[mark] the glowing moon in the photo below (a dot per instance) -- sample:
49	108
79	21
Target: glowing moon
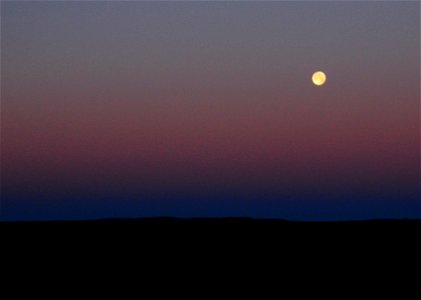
319	78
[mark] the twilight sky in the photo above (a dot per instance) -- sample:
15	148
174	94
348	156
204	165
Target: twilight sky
133	109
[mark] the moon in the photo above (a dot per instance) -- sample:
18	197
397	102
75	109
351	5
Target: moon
319	78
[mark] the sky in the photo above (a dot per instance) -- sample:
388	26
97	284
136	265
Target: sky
207	109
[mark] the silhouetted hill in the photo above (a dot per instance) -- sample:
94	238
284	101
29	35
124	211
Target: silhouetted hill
208	221
222	234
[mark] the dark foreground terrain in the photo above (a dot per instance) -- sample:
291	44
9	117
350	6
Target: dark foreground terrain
236	252
210	221
236	236
172	221
169	225
175	232
230	229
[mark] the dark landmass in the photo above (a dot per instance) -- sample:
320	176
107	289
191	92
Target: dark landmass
229	222
220	234
173	230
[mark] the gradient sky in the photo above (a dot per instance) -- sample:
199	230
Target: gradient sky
190	109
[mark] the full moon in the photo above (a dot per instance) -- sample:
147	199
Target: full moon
319	78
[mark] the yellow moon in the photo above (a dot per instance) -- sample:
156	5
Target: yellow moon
319	78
